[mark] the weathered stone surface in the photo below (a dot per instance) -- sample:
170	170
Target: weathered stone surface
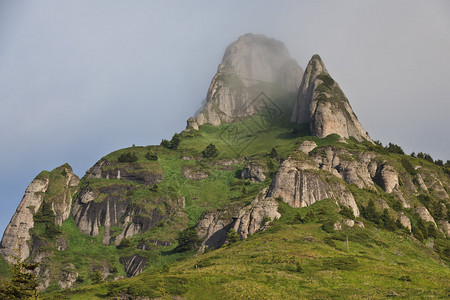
322	104
251	61
133	264
192	123
194	174
133	172
212	227
404	220
250	218
253	172
337	226
425	215
360	224
22	220
386	177
445	225
421	183
307	146
340	162
348	222
299	185
68	276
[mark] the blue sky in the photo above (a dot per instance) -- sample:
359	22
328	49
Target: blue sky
80	79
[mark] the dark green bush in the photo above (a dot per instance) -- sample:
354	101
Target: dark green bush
187	240
408	166
210	151
151	156
393	148
127	157
233	236
347	212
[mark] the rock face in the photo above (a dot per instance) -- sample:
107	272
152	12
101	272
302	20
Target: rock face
213	227
425	215
405	221
386	177
299	184
252	65
252	217
307	146
253	172
322	104
22	221
134	264
55	189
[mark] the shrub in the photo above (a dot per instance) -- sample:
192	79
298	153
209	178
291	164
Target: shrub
370	212
439	162
187	240
154	188
124	243
347	212
408	166
264	220
165	143
393	148
310	217
97	277
428	157
151	155
387	221
175	141
210	151
273	153
233	236
127	157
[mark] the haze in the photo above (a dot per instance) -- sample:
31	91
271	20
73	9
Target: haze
79	79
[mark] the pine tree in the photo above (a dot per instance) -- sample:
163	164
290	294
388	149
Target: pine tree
233	236
23	283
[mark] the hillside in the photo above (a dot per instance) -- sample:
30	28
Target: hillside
289	198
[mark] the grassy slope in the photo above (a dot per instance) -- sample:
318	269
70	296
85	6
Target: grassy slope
295	261
265	263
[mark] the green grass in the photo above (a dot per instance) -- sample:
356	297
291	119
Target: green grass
265	265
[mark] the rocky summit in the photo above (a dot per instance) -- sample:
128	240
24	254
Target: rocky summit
322	104
274	191
252	65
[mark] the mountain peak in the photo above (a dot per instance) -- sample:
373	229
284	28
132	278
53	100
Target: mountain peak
323	105
252	64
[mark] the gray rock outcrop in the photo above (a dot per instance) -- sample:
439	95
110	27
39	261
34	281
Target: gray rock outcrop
307	146
425	215
133	264
18	228
252	65
299	184
404	220
251	218
253	172
386	177
54	190
322	104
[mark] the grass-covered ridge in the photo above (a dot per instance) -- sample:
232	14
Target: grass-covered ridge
293	261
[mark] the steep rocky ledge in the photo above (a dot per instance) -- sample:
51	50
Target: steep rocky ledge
251	66
322	104
54	189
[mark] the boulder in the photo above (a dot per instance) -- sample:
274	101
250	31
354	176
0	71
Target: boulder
253	172
425	215
404	220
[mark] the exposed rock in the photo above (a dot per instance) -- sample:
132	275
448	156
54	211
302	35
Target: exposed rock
386	177
342	164
22	220
194	174
212	227
348	222
445	225
299	185
322	104
425	215
191	123
250	218
307	146
398	193
337	226
252	65
360	224
134	264
253	172
134	172
382	204
61	243
404	220
421	183
68	276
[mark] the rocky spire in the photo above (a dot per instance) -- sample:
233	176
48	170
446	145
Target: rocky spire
251	65
323	105
54	188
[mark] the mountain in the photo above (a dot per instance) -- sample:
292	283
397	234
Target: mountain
322	104
274	191
252	65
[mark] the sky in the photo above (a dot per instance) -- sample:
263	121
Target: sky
80	78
